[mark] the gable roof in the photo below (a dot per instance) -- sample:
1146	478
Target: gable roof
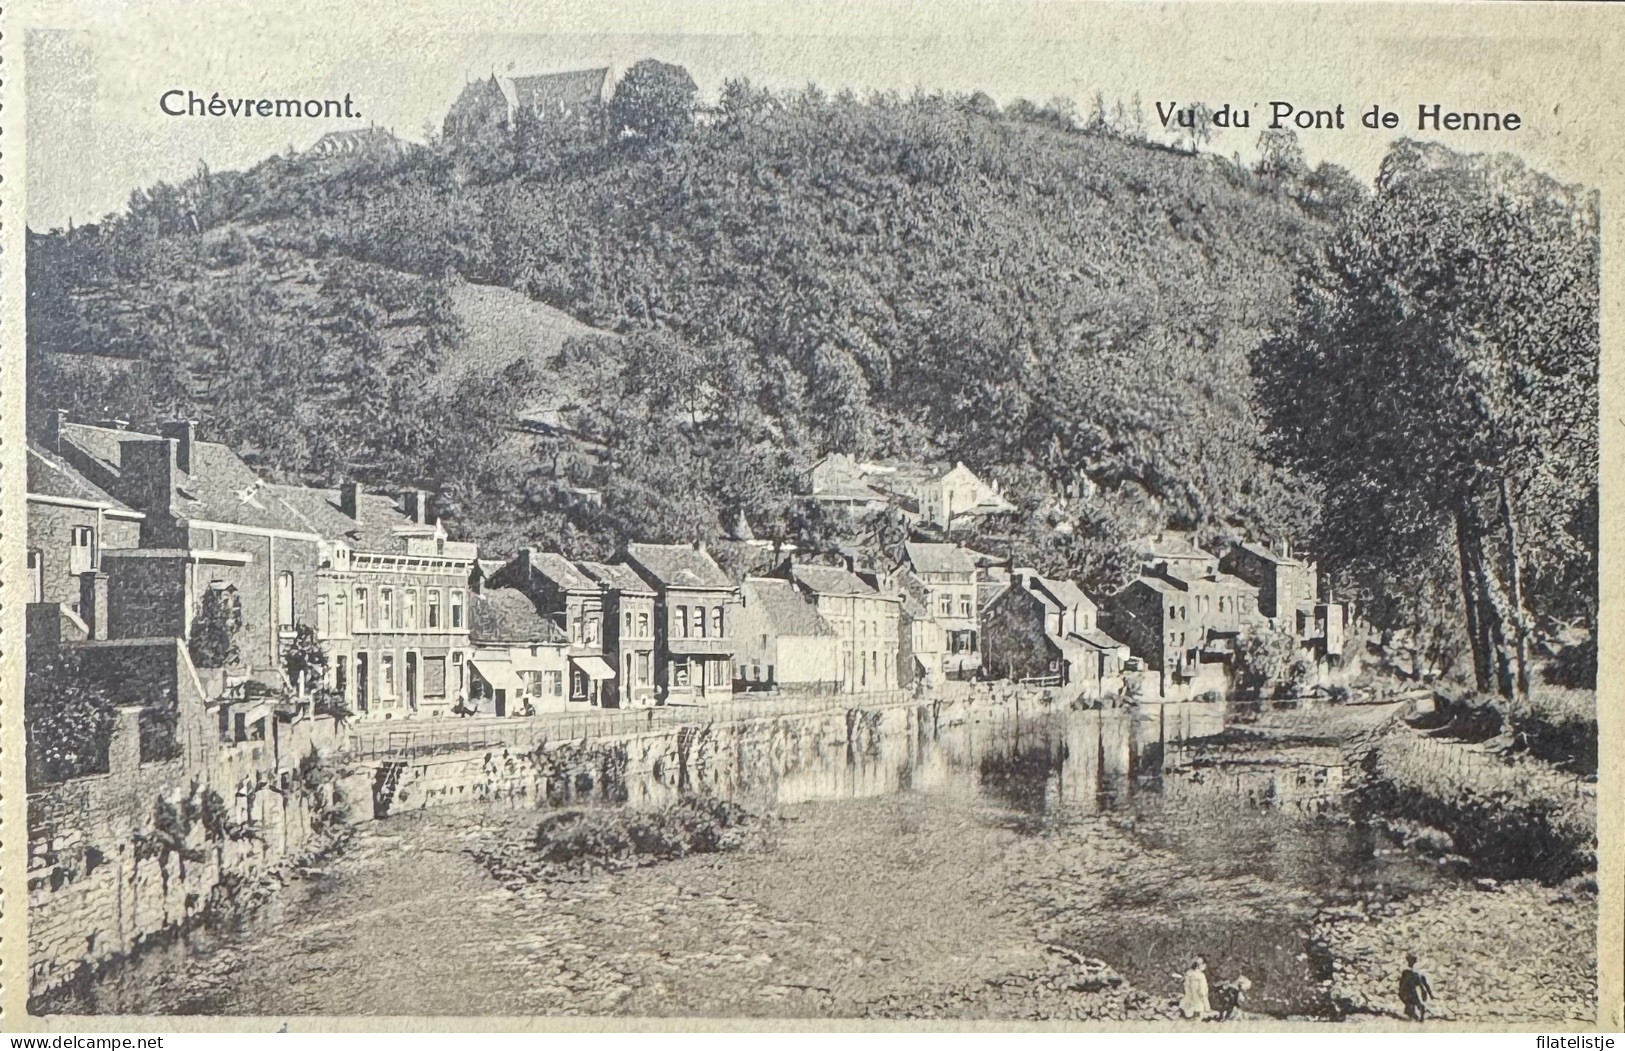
786	610
679	565
50	475
505	617
1176	544
831	580
1270	556
939	558
560	571
617	577
560	91
1066	592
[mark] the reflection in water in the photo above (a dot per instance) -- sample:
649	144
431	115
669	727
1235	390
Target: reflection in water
1174	850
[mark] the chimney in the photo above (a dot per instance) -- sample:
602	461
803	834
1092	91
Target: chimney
524	560
53	429
93	603
415	502
699	545
476	578
350	499
147	469
850	563
184	432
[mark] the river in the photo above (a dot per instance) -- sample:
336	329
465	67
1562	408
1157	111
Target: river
961	867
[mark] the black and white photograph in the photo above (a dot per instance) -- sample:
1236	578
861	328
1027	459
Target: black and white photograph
1080	514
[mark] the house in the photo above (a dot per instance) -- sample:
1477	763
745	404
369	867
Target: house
629	634
573	600
355	142
572	101
519	662
837	482
210	523
1046	631
71	521
392	592
695	607
947	576
865	620
784	643
956	498
1285	584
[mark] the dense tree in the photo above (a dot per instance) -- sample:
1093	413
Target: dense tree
654	100
1440	384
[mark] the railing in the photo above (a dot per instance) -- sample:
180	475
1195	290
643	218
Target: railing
426	737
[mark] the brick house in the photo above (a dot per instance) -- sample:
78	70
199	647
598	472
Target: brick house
629	634
948	589
865	620
574	601
1043	630
784	643
696	604
391	604
71	522
519	664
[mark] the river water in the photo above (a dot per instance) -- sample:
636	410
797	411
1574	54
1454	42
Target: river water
921	862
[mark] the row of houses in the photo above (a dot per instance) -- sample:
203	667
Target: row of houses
142	540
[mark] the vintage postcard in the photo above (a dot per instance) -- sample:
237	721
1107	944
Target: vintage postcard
810	515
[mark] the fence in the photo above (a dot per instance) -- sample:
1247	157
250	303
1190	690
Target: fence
1488	772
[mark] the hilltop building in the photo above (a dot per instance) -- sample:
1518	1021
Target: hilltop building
571	101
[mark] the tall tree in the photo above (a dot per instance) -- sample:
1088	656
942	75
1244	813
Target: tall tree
654	100
1440	383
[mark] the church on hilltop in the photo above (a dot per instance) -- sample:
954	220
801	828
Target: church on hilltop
572	100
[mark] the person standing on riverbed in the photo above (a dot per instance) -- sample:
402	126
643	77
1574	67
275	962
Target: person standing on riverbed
1194	1003
1414	990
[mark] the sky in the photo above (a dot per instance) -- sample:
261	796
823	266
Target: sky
95	69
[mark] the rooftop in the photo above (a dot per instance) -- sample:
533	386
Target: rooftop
831	580
50	475
939	558
616	577
784	607
505	617
679	565
561	571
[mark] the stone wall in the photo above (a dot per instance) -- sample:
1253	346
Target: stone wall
142	851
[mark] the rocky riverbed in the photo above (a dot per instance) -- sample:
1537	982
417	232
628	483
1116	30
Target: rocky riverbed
1003	873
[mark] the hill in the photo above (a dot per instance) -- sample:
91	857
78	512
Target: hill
1071	312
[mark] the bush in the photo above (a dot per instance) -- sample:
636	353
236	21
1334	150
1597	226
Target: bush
615	838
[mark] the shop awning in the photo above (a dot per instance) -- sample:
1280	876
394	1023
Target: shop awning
594	667
499	673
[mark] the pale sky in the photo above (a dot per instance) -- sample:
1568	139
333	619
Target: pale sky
95	69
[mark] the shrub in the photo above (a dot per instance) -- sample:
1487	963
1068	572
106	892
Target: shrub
612	838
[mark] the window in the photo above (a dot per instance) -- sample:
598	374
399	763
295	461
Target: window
645	669
412	679
643	625
341	676
341	614
82	550
360	609
536	683
590	630
386	608
964	605
716	622
719	673
699	621
431	608
575	628
362	681
756	670
434	676
386	676
36	576
409	607
457	666
679	673
284	599
456	608
947	605
1173	612
578	685
628	628
555	683
323	627
682	622
863	628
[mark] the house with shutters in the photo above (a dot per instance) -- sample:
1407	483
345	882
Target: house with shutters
696	606
520	663
629	634
574	601
947	587
784	643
